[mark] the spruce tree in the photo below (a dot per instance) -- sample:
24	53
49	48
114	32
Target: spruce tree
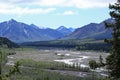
113	60
101	63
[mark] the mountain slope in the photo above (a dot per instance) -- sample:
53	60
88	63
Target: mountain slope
21	32
65	31
49	33
92	30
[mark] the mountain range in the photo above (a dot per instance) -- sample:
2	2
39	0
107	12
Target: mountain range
21	32
92	30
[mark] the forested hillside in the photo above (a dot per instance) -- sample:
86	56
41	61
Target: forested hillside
83	44
6	42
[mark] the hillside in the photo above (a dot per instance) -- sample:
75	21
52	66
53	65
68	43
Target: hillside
81	44
10	44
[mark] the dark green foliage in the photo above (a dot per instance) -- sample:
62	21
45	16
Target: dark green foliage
38	74
52	65
93	64
85	44
3	59
94	46
101	63
113	60
8	43
32	70
105	79
14	69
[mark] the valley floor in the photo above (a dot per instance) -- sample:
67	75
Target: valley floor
65	56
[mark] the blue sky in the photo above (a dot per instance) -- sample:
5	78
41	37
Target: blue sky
55	13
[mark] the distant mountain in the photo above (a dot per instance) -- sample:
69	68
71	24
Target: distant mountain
92	30
8	43
21	32
72	29
48	33
65	31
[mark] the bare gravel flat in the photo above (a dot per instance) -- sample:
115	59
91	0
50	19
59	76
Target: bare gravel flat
51	55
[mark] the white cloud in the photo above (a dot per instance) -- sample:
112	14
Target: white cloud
88	3
16	6
62	3
69	13
51	2
18	1
5	6
11	9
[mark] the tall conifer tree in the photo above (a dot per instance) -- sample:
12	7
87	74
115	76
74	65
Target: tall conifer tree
113	60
